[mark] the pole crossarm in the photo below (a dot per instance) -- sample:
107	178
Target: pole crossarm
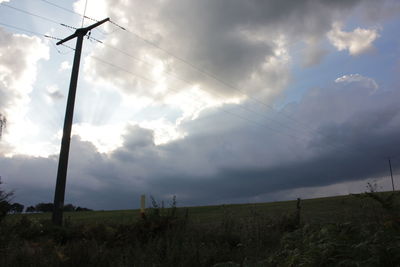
82	31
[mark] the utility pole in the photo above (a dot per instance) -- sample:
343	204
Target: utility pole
69	114
391	174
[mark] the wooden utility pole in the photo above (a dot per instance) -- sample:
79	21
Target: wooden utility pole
391	174
69	114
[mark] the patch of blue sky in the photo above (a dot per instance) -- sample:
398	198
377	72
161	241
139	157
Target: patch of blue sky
380	64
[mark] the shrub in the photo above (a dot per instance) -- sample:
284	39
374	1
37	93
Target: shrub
166	237
44	207
338	245
30	209
4	202
16	208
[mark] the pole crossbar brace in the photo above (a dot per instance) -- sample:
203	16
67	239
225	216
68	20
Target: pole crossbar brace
59	193
82	31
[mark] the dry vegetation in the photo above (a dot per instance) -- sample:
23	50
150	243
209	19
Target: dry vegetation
356	230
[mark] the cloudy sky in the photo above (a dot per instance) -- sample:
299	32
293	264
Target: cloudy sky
213	101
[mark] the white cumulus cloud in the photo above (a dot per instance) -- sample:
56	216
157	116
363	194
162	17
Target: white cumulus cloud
19	56
65	65
365	81
357	42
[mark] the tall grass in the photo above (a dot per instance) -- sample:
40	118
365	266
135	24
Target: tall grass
170	237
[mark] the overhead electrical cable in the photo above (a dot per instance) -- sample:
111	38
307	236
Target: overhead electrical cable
172	74
223	109
29	13
198	69
261	125
149	80
255	122
129	55
37	16
22	29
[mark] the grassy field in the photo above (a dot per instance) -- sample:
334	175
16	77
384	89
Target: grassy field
319	210
353	230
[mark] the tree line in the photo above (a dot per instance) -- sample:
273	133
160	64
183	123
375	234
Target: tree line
49	207
40	207
7	207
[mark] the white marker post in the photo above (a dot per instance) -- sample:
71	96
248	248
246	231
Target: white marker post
142	205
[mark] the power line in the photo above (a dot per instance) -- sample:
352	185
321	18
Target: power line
187	63
59	51
214	77
125	53
55	38
46	18
60	7
37	16
276	131
76	13
343	148
223	109
29	13
206	73
302	124
37	34
21	29
151	81
69	27
144	78
169	73
169	53
79	14
84	13
121	51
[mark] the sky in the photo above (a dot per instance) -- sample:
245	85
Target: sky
211	101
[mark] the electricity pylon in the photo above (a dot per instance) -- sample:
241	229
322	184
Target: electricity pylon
69	114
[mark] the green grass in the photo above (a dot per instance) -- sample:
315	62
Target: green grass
354	230
318	210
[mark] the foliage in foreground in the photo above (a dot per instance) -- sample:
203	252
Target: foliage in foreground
167	237
4	202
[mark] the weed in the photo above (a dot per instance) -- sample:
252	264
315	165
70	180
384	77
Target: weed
170	237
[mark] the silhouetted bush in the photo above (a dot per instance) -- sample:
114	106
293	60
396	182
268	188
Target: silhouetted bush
69	207
44	207
48	207
4	202
30	209
16	208
82	209
339	245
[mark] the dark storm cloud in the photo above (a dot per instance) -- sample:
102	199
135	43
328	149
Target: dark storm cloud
346	129
245	161
232	40
225	159
348	162
29	177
